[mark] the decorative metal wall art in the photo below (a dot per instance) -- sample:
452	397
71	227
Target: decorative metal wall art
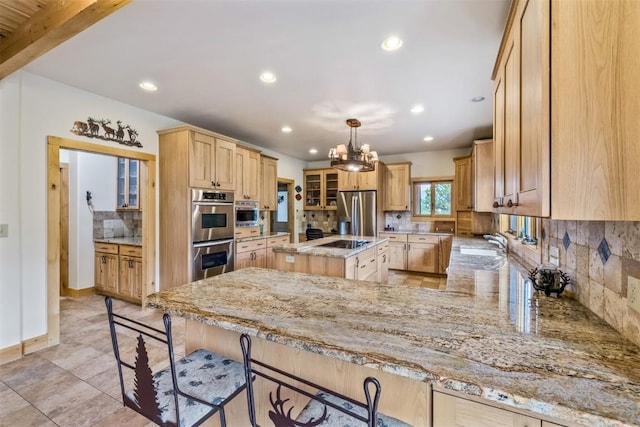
91	129
549	279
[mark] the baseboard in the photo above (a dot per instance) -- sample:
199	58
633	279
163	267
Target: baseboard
11	353
77	293
34	344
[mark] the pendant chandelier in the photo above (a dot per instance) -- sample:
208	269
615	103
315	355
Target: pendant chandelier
353	158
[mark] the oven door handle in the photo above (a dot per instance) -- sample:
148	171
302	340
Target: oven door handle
212	243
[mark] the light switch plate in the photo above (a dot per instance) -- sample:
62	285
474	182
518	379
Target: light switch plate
633	293
554	252
554	261
4	230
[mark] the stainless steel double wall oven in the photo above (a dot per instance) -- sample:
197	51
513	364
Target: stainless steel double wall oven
212	222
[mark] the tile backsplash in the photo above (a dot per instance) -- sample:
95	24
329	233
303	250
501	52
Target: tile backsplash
401	221
108	224
603	260
325	220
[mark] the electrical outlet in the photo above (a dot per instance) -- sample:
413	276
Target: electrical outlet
290	259
554	261
4	230
633	293
554	252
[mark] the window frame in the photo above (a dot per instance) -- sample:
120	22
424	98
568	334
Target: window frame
432	180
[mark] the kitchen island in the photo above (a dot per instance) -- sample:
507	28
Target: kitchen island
504	346
346	256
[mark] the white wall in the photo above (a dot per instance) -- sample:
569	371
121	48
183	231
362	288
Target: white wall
33	108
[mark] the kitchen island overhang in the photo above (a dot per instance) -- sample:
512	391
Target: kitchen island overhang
452	340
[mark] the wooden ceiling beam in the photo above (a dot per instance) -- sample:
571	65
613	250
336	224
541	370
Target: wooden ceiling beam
50	26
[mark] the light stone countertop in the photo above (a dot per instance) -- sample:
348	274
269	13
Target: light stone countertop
262	236
133	241
427	233
486	335
312	247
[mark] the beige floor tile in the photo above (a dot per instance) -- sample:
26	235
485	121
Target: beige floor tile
124	417
26	417
10	401
86	415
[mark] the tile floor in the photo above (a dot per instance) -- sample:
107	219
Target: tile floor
75	383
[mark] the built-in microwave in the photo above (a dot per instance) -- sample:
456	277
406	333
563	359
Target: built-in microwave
247	213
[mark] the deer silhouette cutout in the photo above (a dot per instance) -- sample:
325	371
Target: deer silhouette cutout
109	132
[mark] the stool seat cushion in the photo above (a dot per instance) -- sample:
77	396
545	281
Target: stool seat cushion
315	409
203	374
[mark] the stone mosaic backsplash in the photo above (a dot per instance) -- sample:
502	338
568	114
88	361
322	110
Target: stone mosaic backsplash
401	220
603	261
325	220
108	224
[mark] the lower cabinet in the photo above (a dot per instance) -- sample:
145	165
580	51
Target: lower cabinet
422	253
397	250
449	410
118	271
444	252
252	253
362	266
382	273
271	242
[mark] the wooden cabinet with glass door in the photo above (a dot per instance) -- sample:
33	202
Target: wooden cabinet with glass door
320	189
128	177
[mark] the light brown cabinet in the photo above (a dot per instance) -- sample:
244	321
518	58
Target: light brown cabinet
271	242
106	268
382	273
118	271
470	172
247	169
422	253
397	183
482	175
397	250
451	410
463	183
252	253
211	162
320	189
348	181
269	177
362	266
444	253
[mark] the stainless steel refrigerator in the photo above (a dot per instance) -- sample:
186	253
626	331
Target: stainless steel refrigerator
359	210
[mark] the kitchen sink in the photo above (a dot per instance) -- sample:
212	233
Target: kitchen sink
476	251
345	244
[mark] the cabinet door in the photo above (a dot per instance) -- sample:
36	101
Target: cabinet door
367	266
130	276
397	185
244	260
347	181
202	150
224	165
498	142
444	253
383	267
463	183
367	180
269	195
454	411
260	258
422	257
483	179
313	197
128	177
398	255
330	193
252	175
106	272
511	125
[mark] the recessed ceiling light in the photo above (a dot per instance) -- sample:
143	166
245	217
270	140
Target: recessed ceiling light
268	77
391	43
477	99
416	109
313	151
148	86
428	138
286	129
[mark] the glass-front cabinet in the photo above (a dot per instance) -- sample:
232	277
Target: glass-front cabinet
320	189
128	184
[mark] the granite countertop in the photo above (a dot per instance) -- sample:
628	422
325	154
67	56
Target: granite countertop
433	233
486	336
312	247
262	236
133	241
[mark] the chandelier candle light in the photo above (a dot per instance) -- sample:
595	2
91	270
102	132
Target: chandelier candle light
353	158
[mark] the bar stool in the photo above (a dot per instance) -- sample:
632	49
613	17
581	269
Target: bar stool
314	233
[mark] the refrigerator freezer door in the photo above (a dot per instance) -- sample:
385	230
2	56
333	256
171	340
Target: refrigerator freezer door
359	208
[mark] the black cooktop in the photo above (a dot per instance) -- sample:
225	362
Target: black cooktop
345	244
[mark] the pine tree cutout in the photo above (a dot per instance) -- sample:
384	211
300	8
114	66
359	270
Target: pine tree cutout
144	386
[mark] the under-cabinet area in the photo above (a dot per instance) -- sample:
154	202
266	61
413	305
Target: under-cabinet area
426	253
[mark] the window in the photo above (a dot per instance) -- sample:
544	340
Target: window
523	228
432	198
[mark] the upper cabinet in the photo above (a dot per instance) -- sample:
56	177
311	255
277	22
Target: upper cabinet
566	111
247	174
269	177
463	183
482	174
320	189
211	162
349	181
128	176
397	191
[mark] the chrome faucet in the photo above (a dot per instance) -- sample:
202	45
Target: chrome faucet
497	239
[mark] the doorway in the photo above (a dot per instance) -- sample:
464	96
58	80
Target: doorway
283	219
54	188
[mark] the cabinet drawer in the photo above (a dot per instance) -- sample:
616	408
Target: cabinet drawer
251	245
382	247
242	232
277	241
421	238
108	248
366	264
394	237
131	250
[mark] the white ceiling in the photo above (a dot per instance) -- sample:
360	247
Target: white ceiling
206	57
